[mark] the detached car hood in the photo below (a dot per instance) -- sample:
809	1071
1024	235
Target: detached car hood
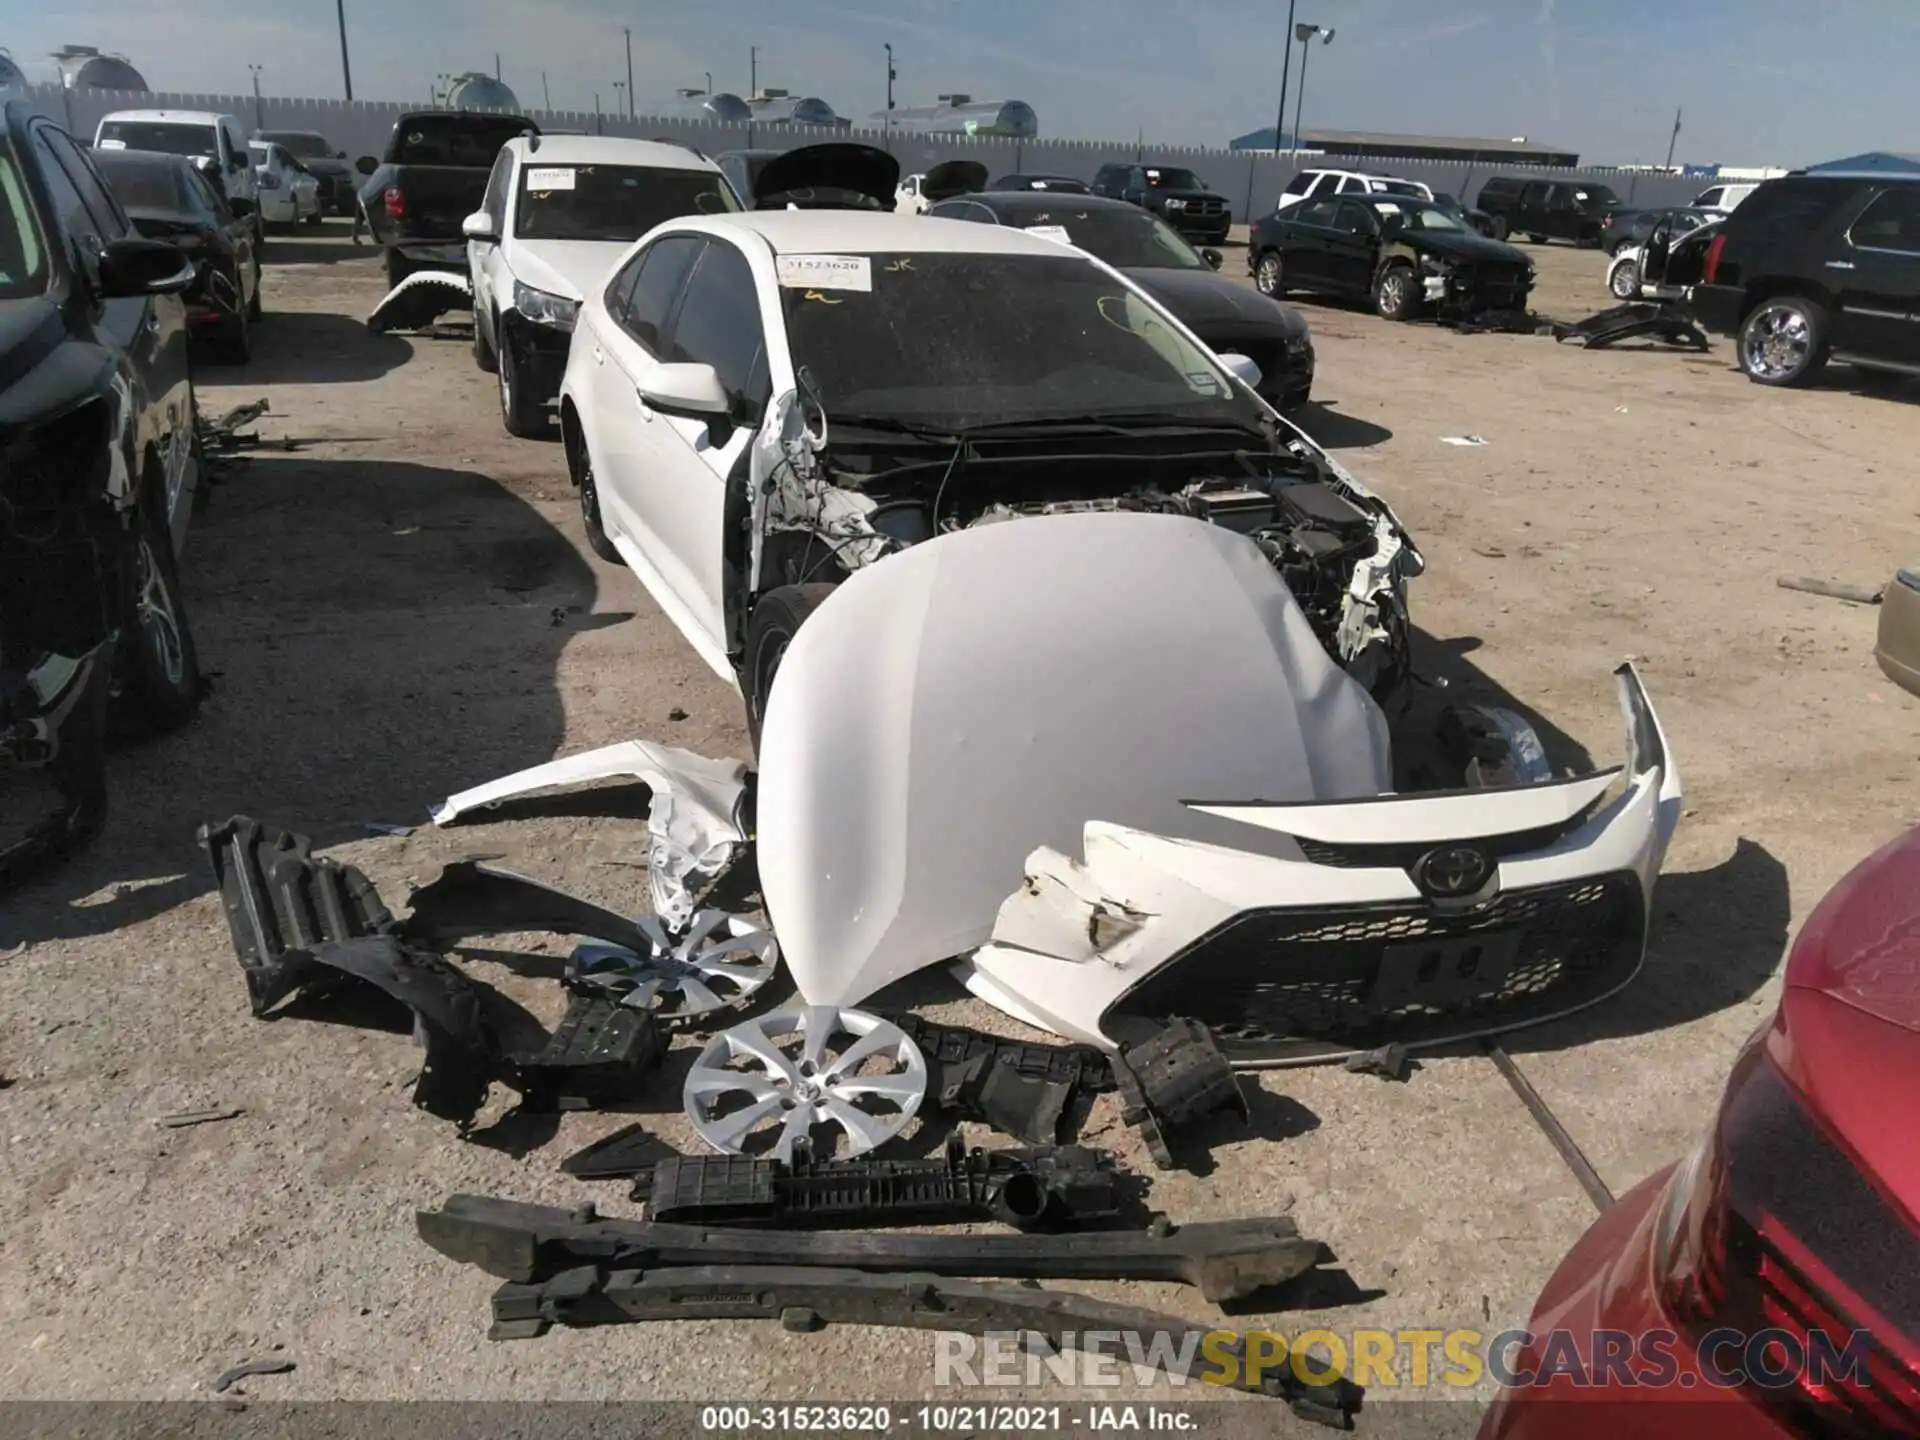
1202	297
864	170
953	706
573	269
1473	248
955	177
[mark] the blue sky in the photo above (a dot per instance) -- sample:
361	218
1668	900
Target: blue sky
1763	81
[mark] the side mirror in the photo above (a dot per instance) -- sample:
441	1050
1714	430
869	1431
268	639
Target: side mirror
1241	368
693	392
479	226
134	266
1213	258
366	164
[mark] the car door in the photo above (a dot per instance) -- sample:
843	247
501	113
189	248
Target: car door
486	262
1107	180
236	238
717	322
1530	211
147	334
1353	248
626	441
1306	240
1876	277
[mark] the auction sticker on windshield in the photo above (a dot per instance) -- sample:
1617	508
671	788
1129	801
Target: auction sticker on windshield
825	272
549	177
1051	232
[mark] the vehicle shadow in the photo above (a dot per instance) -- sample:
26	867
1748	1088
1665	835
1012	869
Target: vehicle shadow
377	633
328	244
1331	430
1445	676
1850	379
305	347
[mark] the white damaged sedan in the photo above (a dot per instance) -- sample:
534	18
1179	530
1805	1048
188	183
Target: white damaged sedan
1092	670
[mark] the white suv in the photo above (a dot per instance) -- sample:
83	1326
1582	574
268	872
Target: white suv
1319	184
201	134
1722	199
560	211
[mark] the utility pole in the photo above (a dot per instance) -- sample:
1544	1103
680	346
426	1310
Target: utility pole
1675	140
628	32
496	64
346	67
598	128
1286	67
891	76
546	95
259	123
619	99
709	90
753	71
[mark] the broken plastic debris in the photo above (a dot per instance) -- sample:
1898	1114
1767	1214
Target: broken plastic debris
277	1366
197	1117
1462	440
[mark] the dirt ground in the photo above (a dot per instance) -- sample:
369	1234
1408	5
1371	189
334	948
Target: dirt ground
407	607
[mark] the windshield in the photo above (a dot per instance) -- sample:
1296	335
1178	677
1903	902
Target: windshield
1164	179
1400	187
613	202
151	185
952	341
306	147
466	141
1121	237
167	137
1596	195
23	256
1415	215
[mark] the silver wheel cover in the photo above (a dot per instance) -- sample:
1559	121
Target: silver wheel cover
846	1069
722	960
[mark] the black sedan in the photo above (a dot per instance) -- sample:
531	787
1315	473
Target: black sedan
1054	184
1409	257
169	198
1226	316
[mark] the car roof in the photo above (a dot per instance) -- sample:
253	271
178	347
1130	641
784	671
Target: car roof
1019	200
178	117
866	232
607	150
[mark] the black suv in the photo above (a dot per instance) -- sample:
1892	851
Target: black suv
98	469
1817	267
1544	210
1177	196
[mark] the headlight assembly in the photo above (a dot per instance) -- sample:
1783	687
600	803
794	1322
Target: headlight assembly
543	308
1176	204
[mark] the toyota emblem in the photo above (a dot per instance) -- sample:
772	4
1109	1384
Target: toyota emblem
1451	871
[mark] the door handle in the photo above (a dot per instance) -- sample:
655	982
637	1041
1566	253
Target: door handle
1839	264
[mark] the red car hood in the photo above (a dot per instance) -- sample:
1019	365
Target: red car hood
1848	1035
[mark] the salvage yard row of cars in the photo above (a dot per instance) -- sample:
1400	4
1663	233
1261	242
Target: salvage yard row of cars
881	471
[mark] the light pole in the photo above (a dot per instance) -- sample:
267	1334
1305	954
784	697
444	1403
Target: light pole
259	122
709	89
1304	33
628	32
1286	63
346	68
619	98
891	77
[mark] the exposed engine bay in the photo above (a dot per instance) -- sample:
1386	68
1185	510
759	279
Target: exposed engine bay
835	508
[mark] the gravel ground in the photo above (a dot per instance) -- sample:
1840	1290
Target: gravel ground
407	607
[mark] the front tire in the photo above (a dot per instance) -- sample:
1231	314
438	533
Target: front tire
1500	228
256	307
524	418
483	355
770	630
1269	276
1783	341
597	538
233	342
1624	281
1396	294
158	665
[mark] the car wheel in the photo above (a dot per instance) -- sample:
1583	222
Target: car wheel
316	218
1396	294
158	679
1268	276
483	355
1534	239
590	508
1624	282
398	268
524	419
1784	341
1500	228
770	630
233	342
256	307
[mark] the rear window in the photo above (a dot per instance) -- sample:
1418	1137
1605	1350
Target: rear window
470	141
1797	204
1401	187
166	136
612	202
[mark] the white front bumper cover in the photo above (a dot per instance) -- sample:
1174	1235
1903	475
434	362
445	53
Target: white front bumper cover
1301	961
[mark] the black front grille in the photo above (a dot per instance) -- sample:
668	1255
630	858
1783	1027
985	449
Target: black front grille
1491	287
1285	983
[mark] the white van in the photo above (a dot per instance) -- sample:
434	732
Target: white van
1722	199
201	134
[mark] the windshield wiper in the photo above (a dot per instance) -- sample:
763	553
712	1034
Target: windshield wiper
1116	422
892	425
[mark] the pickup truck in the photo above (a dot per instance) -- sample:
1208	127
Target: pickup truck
433	175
